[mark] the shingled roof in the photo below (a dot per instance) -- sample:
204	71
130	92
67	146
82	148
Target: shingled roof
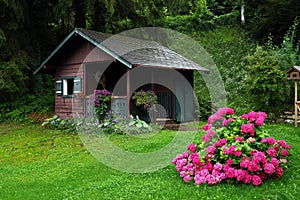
131	51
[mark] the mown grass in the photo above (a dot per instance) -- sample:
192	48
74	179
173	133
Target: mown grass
36	163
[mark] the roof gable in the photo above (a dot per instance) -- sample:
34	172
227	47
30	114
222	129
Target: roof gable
294	69
130	51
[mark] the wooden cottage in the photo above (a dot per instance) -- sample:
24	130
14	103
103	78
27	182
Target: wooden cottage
88	60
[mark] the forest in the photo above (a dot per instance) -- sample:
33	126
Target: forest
252	42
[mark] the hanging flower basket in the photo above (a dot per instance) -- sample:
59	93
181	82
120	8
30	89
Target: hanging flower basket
145	99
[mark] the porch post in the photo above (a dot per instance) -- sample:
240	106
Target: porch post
128	89
296	99
152	88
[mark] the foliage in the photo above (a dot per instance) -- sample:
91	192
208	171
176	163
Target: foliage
264	17
267	74
57	123
187	23
233	149
38	118
20	108
118	124
145	99
227	47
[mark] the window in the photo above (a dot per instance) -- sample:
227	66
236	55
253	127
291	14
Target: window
68	86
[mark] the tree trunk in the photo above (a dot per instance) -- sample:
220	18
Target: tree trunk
79	8
242	12
99	16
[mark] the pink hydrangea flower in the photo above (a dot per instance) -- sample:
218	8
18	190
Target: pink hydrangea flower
186	154
271	152
269	168
262	115
271	141
252	116
192	147
284	152
229	111
210	149
283	144
238	138
226	121
275	162
207	127
182	173
218	166
248	128
260	121
256	180
223	141
247	178
237	153
186	178
230	172
245	162
245	116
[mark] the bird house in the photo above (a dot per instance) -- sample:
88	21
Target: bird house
294	73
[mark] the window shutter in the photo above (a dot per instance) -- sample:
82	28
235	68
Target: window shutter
77	85
59	87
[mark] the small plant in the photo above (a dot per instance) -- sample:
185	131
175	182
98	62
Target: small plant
234	149
57	123
114	123
145	99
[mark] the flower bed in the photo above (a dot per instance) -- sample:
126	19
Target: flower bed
234	149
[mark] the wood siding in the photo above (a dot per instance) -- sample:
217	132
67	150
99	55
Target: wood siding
73	64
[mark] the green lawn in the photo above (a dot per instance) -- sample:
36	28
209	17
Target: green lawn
36	163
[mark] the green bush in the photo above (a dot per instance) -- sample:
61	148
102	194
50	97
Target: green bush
227	47
21	108
267	79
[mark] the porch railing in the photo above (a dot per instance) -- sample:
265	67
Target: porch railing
118	105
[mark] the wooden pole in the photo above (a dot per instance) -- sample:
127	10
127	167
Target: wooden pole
128	92
296	99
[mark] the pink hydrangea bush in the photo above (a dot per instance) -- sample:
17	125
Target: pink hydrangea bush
233	149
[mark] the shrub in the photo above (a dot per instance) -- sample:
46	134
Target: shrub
267	68
57	123
21	108
234	149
